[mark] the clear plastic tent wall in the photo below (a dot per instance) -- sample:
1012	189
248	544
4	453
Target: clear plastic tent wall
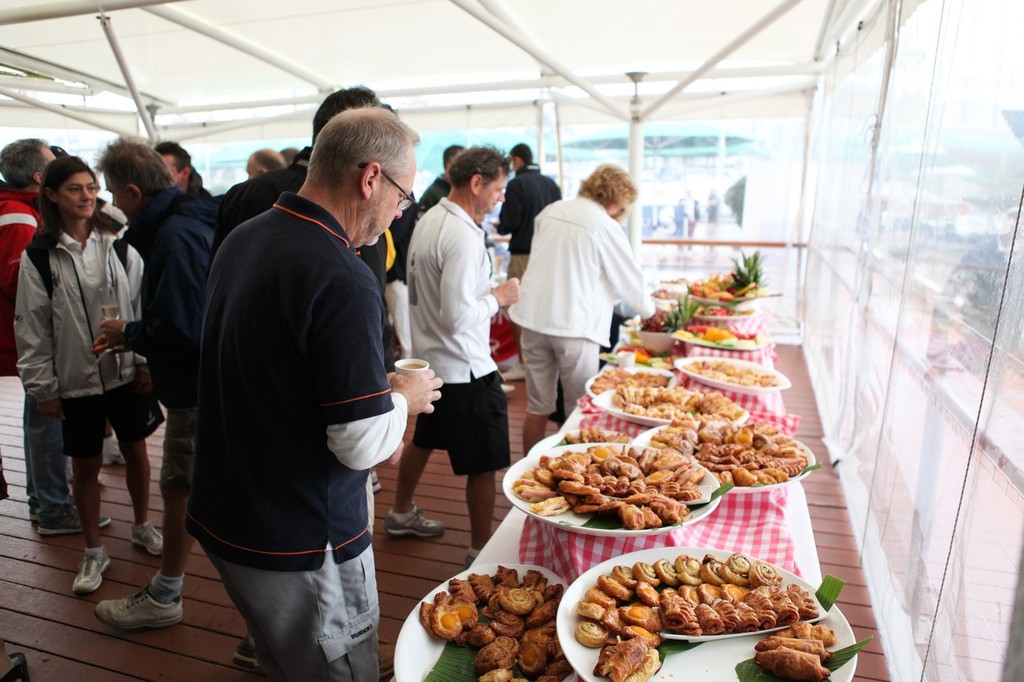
914	332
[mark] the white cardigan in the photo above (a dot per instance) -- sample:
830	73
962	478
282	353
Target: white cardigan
579	261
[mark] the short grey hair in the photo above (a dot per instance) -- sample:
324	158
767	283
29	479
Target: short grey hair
360	136
22	159
134	161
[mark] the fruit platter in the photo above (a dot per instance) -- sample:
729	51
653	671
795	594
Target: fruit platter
744	284
720	337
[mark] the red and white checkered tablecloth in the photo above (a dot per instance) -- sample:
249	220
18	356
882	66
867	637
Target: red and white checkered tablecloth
752	524
755	323
765	356
769	402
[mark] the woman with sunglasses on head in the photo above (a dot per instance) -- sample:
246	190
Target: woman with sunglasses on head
580	262
73	276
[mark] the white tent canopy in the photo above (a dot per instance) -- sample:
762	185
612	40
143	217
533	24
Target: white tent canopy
215	69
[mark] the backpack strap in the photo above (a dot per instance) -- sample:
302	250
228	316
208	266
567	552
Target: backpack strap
121	249
41	259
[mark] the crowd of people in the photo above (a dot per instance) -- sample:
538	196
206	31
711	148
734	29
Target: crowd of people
262	328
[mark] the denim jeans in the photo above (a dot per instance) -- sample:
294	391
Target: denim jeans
46	465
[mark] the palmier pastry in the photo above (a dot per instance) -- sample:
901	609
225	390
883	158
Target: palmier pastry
762	573
624	575
666	572
533	658
792	665
740	565
591	634
588	609
710	571
644	572
517	601
480	635
647	594
807	631
501	653
507	625
688	569
805	604
497	675
644	616
613	588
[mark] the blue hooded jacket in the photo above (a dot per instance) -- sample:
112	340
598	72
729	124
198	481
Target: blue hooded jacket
173	233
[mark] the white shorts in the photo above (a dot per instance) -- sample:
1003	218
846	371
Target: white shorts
547	359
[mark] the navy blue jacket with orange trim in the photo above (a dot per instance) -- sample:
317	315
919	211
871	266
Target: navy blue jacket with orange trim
289	347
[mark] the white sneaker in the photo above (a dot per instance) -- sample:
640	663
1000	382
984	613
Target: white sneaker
148	538
138	611
508	388
514	373
90	573
111	451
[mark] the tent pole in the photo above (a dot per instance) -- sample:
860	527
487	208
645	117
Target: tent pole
738	42
546	60
558	148
57	10
62	111
129	82
194	23
636	171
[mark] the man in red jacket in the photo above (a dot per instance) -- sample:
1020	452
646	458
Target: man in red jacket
22	163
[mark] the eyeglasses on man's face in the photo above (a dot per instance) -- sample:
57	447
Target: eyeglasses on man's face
406	201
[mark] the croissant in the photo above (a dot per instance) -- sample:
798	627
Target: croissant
792	665
807	631
808	646
624	660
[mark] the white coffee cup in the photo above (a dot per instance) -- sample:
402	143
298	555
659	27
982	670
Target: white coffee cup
626	359
411	366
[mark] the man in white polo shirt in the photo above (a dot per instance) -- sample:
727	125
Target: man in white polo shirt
451	302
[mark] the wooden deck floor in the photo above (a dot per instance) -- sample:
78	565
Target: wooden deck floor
63	640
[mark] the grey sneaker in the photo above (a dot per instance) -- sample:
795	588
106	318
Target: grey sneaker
138	611
90	573
245	655
148	538
112	451
418	525
67	523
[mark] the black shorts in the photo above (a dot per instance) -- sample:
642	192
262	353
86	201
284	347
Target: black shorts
134	417
470	421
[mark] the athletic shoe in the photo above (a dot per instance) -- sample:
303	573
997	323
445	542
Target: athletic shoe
111	451
148	538
138	611
90	573
375	481
514	373
508	388
67	523
418	525
245	656
33	515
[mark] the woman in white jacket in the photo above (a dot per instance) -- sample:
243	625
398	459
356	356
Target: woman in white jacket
74	278
580	262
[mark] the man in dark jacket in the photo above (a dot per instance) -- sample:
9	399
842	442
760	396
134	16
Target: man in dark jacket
173	233
250	198
440	187
526	195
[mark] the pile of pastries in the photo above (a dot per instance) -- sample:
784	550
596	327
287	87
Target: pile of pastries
624	612
645	488
674	403
731	373
756	453
510	621
613	377
595	435
797	653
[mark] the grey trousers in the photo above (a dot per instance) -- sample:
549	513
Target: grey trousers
310	625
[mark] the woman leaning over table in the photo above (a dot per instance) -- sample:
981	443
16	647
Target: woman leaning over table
54	332
579	261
